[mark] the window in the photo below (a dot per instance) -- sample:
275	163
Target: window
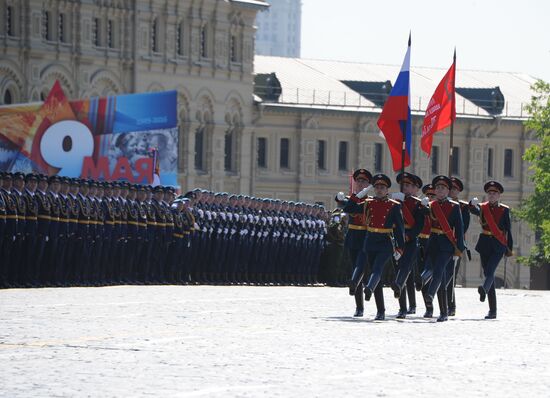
199	149
233	48
203	41
378	160
8	98
154	36
343	156
262	152
508	162
9	21
46	25
228	151
455	161
435	160
110	39
490	162
95	32
61	28
179	39
321	155
283	159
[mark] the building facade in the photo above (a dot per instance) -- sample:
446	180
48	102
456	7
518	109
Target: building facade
298	143
279	29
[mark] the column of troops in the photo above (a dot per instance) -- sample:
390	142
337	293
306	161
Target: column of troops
58	231
421	239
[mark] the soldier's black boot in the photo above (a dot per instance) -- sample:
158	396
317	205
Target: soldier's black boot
482	293
442	299
396	290
429	312
402	314
411	310
380	316
491	315
358	312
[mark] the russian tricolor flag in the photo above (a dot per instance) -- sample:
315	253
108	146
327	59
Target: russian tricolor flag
395	119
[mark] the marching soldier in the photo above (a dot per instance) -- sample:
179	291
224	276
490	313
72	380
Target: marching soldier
446	242
385	237
452	270
414	210
423	238
18	258
42	270
354	239
495	240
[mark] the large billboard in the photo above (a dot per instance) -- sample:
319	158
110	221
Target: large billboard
108	138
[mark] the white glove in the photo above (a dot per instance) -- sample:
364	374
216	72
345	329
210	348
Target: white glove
47	238
196	226
400	196
455	258
340	197
219	231
204	229
265	233
364	192
285	235
233	231
425	201
474	201
253	233
225	230
397	256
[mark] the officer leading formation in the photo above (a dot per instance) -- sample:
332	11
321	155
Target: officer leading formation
421	240
58	231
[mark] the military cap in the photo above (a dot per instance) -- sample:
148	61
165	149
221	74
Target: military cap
107	184
18	176
457	184
442	180
54	178
6	175
190	194
494	186
428	189
74	182
84	183
31	177
64	180
42	177
419	181
158	188
381	179
406	178
364	173
148	188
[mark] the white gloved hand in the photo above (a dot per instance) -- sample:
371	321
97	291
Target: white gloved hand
364	192
400	196
474	201
397	256
340	197
455	258
425	201
196	226
47	238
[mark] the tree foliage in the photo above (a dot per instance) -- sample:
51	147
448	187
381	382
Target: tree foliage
535	210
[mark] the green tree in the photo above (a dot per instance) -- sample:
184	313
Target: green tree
535	210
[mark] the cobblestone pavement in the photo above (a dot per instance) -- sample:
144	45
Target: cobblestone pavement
193	341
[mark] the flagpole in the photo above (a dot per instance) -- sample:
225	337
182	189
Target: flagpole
404	132
451	140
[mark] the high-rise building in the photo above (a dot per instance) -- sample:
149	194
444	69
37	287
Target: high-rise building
279	29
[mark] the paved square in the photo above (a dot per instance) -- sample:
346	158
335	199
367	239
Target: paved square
264	341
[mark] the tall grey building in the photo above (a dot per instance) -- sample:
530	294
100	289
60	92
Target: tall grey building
279	29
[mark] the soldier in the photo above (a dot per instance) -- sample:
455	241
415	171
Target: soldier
385	237
159	253
9	228
43	229
495	240
452	270
446	242
353	241
423	238
414	211
18	257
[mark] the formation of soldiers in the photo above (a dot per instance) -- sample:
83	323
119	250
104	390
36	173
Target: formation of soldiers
421	239
59	231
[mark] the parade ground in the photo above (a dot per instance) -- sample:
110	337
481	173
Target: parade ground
220	341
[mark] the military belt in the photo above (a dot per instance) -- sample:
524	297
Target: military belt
424	236
11	217
45	218
438	231
31	218
358	227
380	230
484	232
178	235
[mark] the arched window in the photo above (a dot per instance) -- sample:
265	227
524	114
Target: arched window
61	28
110	34
96	32
233	49
199	148
204	41
9	21
154	36
228	149
46	25
8	98
179	39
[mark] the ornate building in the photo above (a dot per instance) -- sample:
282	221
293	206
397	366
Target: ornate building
279	127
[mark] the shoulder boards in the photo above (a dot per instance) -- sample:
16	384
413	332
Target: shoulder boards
395	202
453	202
503	205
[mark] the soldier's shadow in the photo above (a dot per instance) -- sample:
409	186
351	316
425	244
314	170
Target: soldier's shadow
371	320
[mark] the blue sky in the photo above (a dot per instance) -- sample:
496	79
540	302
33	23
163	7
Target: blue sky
503	35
